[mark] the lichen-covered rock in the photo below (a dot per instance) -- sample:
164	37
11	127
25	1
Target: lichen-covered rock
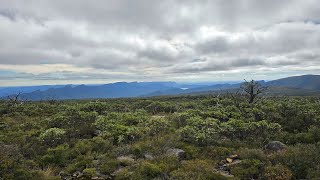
125	160
179	153
148	156
275	146
77	174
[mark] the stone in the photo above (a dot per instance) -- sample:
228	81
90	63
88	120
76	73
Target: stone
234	162
229	160
117	171
148	156
125	160
179	153
235	156
275	146
77	174
98	178
97	133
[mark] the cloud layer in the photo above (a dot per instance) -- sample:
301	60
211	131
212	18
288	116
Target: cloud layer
80	41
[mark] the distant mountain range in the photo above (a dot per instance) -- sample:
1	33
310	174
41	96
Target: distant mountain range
291	86
306	85
5	91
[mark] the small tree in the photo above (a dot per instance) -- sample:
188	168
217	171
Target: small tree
252	89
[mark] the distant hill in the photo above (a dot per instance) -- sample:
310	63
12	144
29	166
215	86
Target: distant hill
271	91
176	91
113	90
291	91
291	86
306	85
311	82
5	91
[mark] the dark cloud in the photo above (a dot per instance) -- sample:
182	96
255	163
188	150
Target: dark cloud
7	13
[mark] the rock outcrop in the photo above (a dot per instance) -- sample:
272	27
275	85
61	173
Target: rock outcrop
275	146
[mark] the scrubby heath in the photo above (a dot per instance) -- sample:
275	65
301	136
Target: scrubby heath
185	137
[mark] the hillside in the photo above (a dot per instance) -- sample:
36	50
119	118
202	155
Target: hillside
311	82
271	91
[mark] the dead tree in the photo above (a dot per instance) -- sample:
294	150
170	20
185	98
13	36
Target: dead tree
52	99
14	100
252	89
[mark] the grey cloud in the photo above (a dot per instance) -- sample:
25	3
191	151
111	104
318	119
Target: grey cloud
7	13
307	55
215	45
158	53
247	62
158	38
217	65
31	56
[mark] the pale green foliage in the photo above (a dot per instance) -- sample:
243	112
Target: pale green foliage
200	131
53	136
120	126
156	125
237	129
205	131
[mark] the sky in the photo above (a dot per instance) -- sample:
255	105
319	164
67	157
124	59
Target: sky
103	41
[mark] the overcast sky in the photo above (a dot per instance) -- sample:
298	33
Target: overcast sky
101	41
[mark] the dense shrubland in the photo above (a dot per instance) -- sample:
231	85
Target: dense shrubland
208	137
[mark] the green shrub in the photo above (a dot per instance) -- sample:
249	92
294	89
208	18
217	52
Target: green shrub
57	156
196	169
259	131
247	169
89	172
313	172
124	174
156	125
246	153
299	158
200	131
146	170
109	165
277	172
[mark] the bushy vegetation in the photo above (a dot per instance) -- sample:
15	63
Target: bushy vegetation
184	137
